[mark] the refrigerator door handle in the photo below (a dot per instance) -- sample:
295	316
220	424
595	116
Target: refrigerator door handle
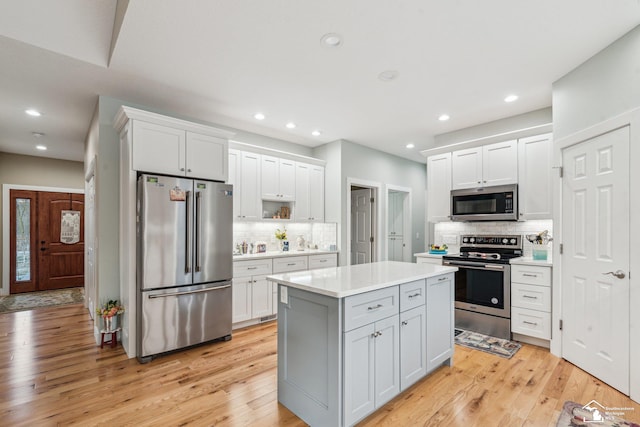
197	291
198	229
187	261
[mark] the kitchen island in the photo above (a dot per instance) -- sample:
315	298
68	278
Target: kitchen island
352	338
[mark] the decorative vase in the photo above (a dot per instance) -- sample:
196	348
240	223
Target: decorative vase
110	323
284	245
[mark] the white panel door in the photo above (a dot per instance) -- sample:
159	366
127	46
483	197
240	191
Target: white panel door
359	373
534	177
207	157
360	226
413	346
269	177
387	359
261	297
316	193
595	260
287	179
241	297
250	186
302	210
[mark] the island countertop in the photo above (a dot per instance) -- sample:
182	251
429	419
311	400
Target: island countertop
340	282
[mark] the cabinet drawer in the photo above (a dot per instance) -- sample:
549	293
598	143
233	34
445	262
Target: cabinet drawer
412	295
428	260
531	322
251	268
531	296
531	274
362	309
287	264
322	261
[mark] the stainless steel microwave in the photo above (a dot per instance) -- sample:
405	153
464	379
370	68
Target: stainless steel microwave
498	203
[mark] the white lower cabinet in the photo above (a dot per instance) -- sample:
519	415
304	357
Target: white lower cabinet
371	367
440	322
251	292
429	260
531	301
413	346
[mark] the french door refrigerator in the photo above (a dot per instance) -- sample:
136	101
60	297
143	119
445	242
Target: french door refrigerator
184	250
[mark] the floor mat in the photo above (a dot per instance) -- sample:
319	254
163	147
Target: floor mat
31	300
492	345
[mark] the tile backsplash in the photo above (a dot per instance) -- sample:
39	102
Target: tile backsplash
446	231
321	234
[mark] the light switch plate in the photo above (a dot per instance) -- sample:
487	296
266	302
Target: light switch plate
284	297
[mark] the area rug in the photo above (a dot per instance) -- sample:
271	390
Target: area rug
31	300
492	345
592	414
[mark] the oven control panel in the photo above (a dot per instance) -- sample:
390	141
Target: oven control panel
493	241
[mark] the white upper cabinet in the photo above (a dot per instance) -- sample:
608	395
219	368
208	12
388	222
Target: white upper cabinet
439	187
534	172
244	175
165	145
206	157
159	149
494	164
309	191
278	178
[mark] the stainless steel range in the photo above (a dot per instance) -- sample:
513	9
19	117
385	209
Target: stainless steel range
483	283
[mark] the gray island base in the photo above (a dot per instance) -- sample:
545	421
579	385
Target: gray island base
352	338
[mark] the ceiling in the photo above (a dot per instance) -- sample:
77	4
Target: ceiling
223	61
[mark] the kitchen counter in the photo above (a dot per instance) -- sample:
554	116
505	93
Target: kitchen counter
340	282
530	261
279	254
352	338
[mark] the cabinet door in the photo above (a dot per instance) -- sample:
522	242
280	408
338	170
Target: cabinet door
158	149
500	163
396	213
359	398
250	186
234	179
269	177
302	209
466	168
396	248
241	296
440	323
413	346
316	193
534	177
387	360
439	188
261	297
287	179
207	157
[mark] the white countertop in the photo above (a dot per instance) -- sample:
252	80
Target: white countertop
430	255
530	261
340	282
279	254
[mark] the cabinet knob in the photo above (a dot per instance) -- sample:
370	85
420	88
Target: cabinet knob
405	323
189	170
182	169
485	181
479	182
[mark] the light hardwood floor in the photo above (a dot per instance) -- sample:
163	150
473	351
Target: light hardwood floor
52	373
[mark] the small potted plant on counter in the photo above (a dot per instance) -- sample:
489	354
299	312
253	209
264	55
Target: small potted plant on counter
282	237
108	311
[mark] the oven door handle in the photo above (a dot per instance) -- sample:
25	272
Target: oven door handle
474	265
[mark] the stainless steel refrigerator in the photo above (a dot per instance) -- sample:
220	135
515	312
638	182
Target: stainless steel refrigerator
185	232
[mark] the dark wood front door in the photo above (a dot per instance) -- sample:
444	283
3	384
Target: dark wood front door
47	261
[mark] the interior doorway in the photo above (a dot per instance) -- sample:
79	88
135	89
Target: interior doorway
363	245
399	224
46	240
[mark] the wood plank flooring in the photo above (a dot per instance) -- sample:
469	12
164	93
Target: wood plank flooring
53	373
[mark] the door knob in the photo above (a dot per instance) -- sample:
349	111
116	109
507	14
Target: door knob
618	273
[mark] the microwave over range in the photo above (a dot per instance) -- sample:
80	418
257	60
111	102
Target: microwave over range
497	203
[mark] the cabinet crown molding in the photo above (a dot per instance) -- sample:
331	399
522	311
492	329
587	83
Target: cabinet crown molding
243	146
128	113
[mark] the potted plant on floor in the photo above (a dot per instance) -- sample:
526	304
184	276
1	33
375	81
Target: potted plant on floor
109	312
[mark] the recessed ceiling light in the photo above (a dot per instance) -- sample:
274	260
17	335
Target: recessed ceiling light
331	40
410	145
258	116
316	133
387	76
511	98
32	112
291	125
37	134
41	147
444	117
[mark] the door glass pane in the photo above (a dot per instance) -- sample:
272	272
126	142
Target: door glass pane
23	240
